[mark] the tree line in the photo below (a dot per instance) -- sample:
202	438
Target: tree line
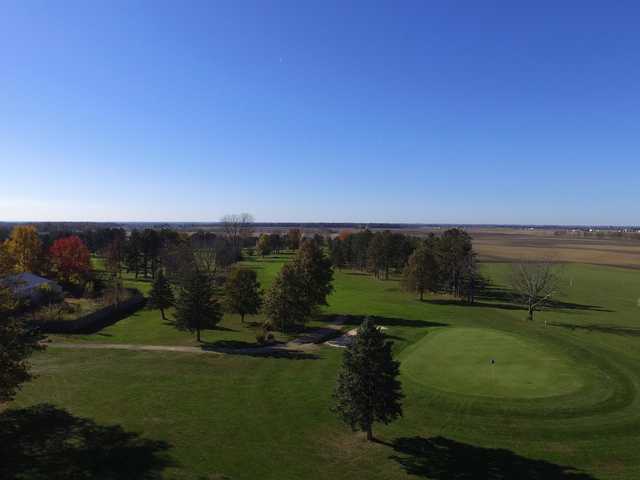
301	286
445	263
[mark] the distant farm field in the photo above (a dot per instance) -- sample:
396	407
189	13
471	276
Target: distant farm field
561	401
510	245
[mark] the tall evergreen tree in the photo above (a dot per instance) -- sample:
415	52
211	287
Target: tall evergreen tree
161	295
133	255
381	253
337	252
368	389
197	308
316	270
242	292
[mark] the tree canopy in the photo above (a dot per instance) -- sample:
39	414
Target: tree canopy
161	294
242	292
421	272
70	258
24	249
300	287
17	343
197	308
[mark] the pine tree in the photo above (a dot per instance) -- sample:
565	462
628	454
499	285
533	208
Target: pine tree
161	295
197	308
316	271
242	292
368	389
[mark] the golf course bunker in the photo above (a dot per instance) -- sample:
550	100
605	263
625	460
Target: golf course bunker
491	363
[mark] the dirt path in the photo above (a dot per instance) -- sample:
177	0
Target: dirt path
301	347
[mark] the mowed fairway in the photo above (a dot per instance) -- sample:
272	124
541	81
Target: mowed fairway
560	403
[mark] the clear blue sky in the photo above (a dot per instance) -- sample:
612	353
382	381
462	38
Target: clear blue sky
470	112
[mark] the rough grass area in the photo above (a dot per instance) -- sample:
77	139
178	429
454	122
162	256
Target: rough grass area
242	417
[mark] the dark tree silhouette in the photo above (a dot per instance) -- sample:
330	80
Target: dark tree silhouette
161	295
197	308
17	342
368	389
242	292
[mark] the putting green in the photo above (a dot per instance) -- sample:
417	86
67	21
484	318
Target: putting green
459	360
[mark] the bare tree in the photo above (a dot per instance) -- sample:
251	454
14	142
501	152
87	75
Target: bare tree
205	252
535	284
236	227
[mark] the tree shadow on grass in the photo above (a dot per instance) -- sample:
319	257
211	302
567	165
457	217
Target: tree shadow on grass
611	329
229	344
503	299
495	294
440	458
46	442
382	321
282	353
248	349
217	328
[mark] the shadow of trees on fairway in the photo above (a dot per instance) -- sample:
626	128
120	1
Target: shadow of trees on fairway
611	329
440	458
45	442
356	320
248	349
494	297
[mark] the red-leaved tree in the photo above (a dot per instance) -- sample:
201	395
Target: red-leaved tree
71	258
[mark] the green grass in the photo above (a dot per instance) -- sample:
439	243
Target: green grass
571	401
146	327
476	361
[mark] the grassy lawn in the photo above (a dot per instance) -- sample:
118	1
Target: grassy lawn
562	395
148	327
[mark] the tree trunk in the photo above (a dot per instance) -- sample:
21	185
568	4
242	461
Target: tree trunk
369	433
198	334
242	317
422	295
162	313
530	312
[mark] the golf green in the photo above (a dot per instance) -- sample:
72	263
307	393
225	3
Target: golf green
490	363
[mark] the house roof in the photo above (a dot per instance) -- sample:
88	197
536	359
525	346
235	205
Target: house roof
25	281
